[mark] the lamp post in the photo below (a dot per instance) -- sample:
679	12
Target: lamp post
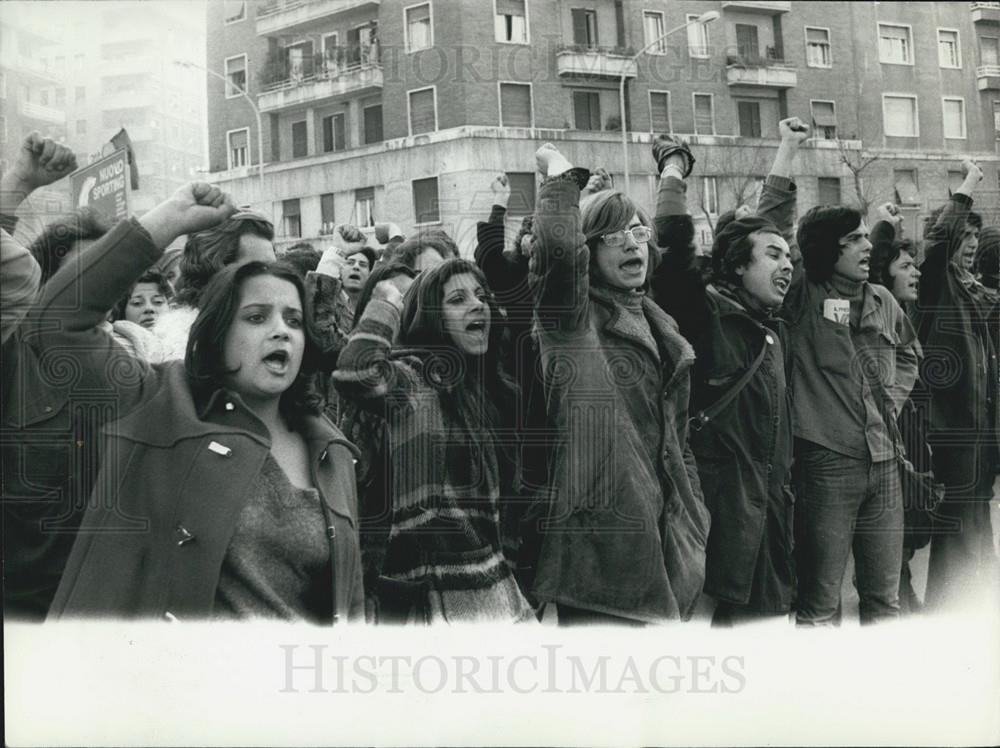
706	17
256	112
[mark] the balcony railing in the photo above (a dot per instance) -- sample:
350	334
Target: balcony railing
771	72
759	6
42	113
985	12
290	15
595	62
988	77
322	84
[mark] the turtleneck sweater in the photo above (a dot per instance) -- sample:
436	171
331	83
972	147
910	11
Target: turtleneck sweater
633	316
853	291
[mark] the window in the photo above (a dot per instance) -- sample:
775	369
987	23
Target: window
510	21
586	110
948	52
905	183
234	10
334	134
78	61
652	25
747	41
291	219
895	45
43	97
60	97
818	47
364	206
236	76
80	94
299	146
3	129
829	190
710	195
419	34
659	112
515	105
81	127
749	118
989	50
522	193
300	60
326	216
949	55
953	109
239	147
996	118
423	117
704	115
373	124
425	200
697	38
899	114
584	27
824	116
3	85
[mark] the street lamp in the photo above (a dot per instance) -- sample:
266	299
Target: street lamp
706	17
256	112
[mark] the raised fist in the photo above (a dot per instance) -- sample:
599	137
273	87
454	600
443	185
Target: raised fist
970	169
550	161
41	161
500	187
793	130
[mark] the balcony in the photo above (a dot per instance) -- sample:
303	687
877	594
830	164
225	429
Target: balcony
988	77
300	15
594	62
129	66
27	66
128	100
42	113
767	72
770	9
325	84
985	12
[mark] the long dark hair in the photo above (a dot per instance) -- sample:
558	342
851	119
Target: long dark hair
476	392
220	301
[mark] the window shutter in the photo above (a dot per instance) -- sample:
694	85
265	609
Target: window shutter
373	124
426	207
659	112
422	111
515	105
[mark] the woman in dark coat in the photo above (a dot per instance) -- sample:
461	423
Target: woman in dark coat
223	491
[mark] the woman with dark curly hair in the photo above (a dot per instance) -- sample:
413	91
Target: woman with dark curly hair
206	453
430	366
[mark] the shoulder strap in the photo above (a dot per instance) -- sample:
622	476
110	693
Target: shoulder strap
704	416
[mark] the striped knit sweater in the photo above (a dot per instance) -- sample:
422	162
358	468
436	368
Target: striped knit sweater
444	536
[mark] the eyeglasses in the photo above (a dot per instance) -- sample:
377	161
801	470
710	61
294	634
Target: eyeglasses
639	234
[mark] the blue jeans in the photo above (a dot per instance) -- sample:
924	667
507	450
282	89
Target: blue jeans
844	503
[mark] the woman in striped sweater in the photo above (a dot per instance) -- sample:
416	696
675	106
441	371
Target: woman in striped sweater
449	407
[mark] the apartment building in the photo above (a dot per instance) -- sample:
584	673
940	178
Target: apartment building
121	64
24	101
363	111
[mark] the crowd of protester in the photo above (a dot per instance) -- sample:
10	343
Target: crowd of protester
594	423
